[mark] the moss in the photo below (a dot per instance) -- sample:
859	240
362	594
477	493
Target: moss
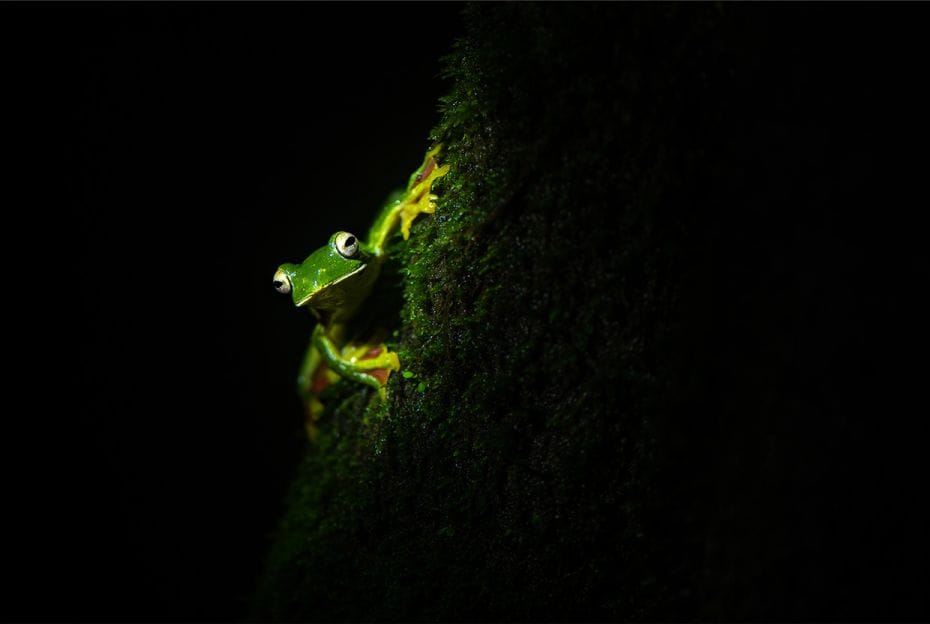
636	333
510	475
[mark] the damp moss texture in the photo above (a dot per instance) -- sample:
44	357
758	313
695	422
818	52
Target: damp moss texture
506	474
596	415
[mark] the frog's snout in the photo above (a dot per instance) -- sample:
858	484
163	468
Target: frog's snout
282	281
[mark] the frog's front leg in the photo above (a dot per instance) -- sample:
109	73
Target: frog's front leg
363	370
419	198
404	207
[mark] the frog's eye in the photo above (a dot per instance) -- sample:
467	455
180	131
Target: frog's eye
346	244
282	282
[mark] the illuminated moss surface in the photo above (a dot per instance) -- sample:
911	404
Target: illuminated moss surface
589	321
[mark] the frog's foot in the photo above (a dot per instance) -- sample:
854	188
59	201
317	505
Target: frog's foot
419	198
425	204
378	362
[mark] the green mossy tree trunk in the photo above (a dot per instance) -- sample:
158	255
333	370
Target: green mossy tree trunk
508	477
582	438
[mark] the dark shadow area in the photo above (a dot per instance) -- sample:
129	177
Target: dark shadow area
671	346
679	340
173	156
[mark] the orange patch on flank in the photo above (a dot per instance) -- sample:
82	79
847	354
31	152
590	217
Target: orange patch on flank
371	353
381	374
320	379
429	169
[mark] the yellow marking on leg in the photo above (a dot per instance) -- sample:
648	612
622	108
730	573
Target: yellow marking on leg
419	200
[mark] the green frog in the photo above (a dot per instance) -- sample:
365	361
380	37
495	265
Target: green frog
334	281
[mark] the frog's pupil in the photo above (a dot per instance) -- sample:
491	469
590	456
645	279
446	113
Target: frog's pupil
350	241
277	284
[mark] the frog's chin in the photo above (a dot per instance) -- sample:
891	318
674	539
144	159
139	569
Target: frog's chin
319	293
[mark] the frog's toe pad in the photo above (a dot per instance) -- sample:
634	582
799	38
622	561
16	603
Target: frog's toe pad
386	361
411	212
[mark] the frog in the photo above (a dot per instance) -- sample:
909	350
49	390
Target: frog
334	281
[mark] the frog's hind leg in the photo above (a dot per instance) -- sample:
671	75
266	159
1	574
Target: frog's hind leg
314	412
314	377
354	367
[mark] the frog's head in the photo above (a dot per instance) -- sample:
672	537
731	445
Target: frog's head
332	281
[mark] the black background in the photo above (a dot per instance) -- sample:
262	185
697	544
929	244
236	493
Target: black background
167	159
164	159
